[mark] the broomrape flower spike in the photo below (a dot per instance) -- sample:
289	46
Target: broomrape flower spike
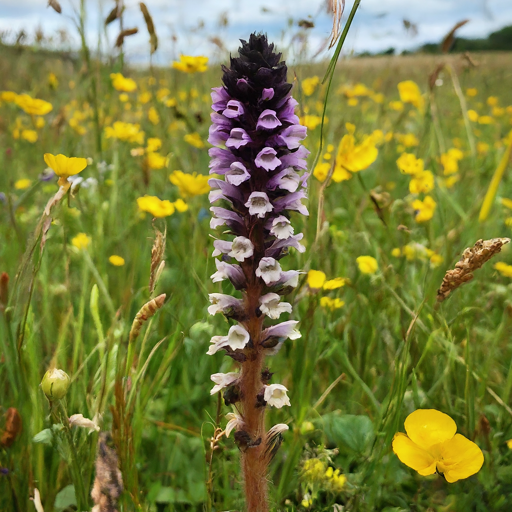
432	445
259	166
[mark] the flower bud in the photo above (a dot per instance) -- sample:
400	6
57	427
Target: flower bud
55	384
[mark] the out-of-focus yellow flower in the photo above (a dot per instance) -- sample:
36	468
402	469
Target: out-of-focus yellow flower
190	185
171	102
310	121
498	111
432	445
336	479
409	164
482	148
450	181
153	144
332	304
322	170
116	260
81	241
194	139
436	260
492	101
127	132
367	264
352	102
410	93
40	122
33	106
485	120
189	64
22	184
180	205
153	116
503	268
408	139
144	97
424	210
8	96
396	252
471	92
64	167
473	115
29	135
53	82
123	97
450	161
162	93
421	182
356	90
156	161
396	105
123	84
509	444
155	206
335	283
316	279
309	85
378	97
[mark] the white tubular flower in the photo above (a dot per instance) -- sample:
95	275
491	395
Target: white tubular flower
270	306
277	429
237	338
221	273
259	204
221	303
235	422
281	228
275	395
269	270
241	248
223	380
221	247
78	420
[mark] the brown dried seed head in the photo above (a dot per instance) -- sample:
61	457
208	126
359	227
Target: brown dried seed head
472	259
157	255
145	312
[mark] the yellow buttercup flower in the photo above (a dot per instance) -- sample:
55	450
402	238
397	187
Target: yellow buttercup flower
153	116
311	121
367	264
408	140
410	93
155	206
190	185
409	164
396	105
316	279
64	167
396	252
22	184
450	161
473	115
180	205
322	170
29	135
53	82
33	106
421	182
153	144
127	132
335	283
332	304
121	83
492	101
194	139
354	157
471	92
503	268
8	96
189	64
485	120
116	260
309	85
424	210
432	445
156	161
81	241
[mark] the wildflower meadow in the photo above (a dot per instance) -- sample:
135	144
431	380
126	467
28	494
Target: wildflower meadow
255	282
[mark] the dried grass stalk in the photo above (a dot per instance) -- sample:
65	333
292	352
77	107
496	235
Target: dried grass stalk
145	312
157	256
336	8
123	34
153	39
108	484
472	259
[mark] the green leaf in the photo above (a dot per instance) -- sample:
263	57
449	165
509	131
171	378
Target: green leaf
65	498
355	432
45	436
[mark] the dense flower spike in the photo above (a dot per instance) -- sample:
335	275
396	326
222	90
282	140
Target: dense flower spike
261	160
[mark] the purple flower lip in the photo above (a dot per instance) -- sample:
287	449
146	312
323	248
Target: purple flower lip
234	109
267	94
238	138
237	174
267	159
220	98
287	179
268	120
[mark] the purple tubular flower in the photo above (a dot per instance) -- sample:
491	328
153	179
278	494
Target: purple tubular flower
260	162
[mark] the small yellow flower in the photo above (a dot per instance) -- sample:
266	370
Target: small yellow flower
409	164
422	182
126	132
424	210
189	64
29	135
473	115
121	83
155	206
509	444
332	304
190	185
310	121
503	268
492	101
144	97
33	106
81	241
436	260
309	85
153	144
124	97
485	120
116	260
153	116
396	252
396	105
408	140
322	170
8	96
194	139
352	102
156	161
482	148
22	184
410	93
316	279
180	205
367	264
64	167
432	445
471	92
335	283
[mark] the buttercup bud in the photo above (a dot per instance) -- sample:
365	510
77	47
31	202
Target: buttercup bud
55	384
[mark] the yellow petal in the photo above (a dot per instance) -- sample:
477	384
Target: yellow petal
427	427
413	456
461	458
49	160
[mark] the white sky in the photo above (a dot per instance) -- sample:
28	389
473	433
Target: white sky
378	24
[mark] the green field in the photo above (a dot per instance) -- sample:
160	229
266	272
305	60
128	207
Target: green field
373	349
